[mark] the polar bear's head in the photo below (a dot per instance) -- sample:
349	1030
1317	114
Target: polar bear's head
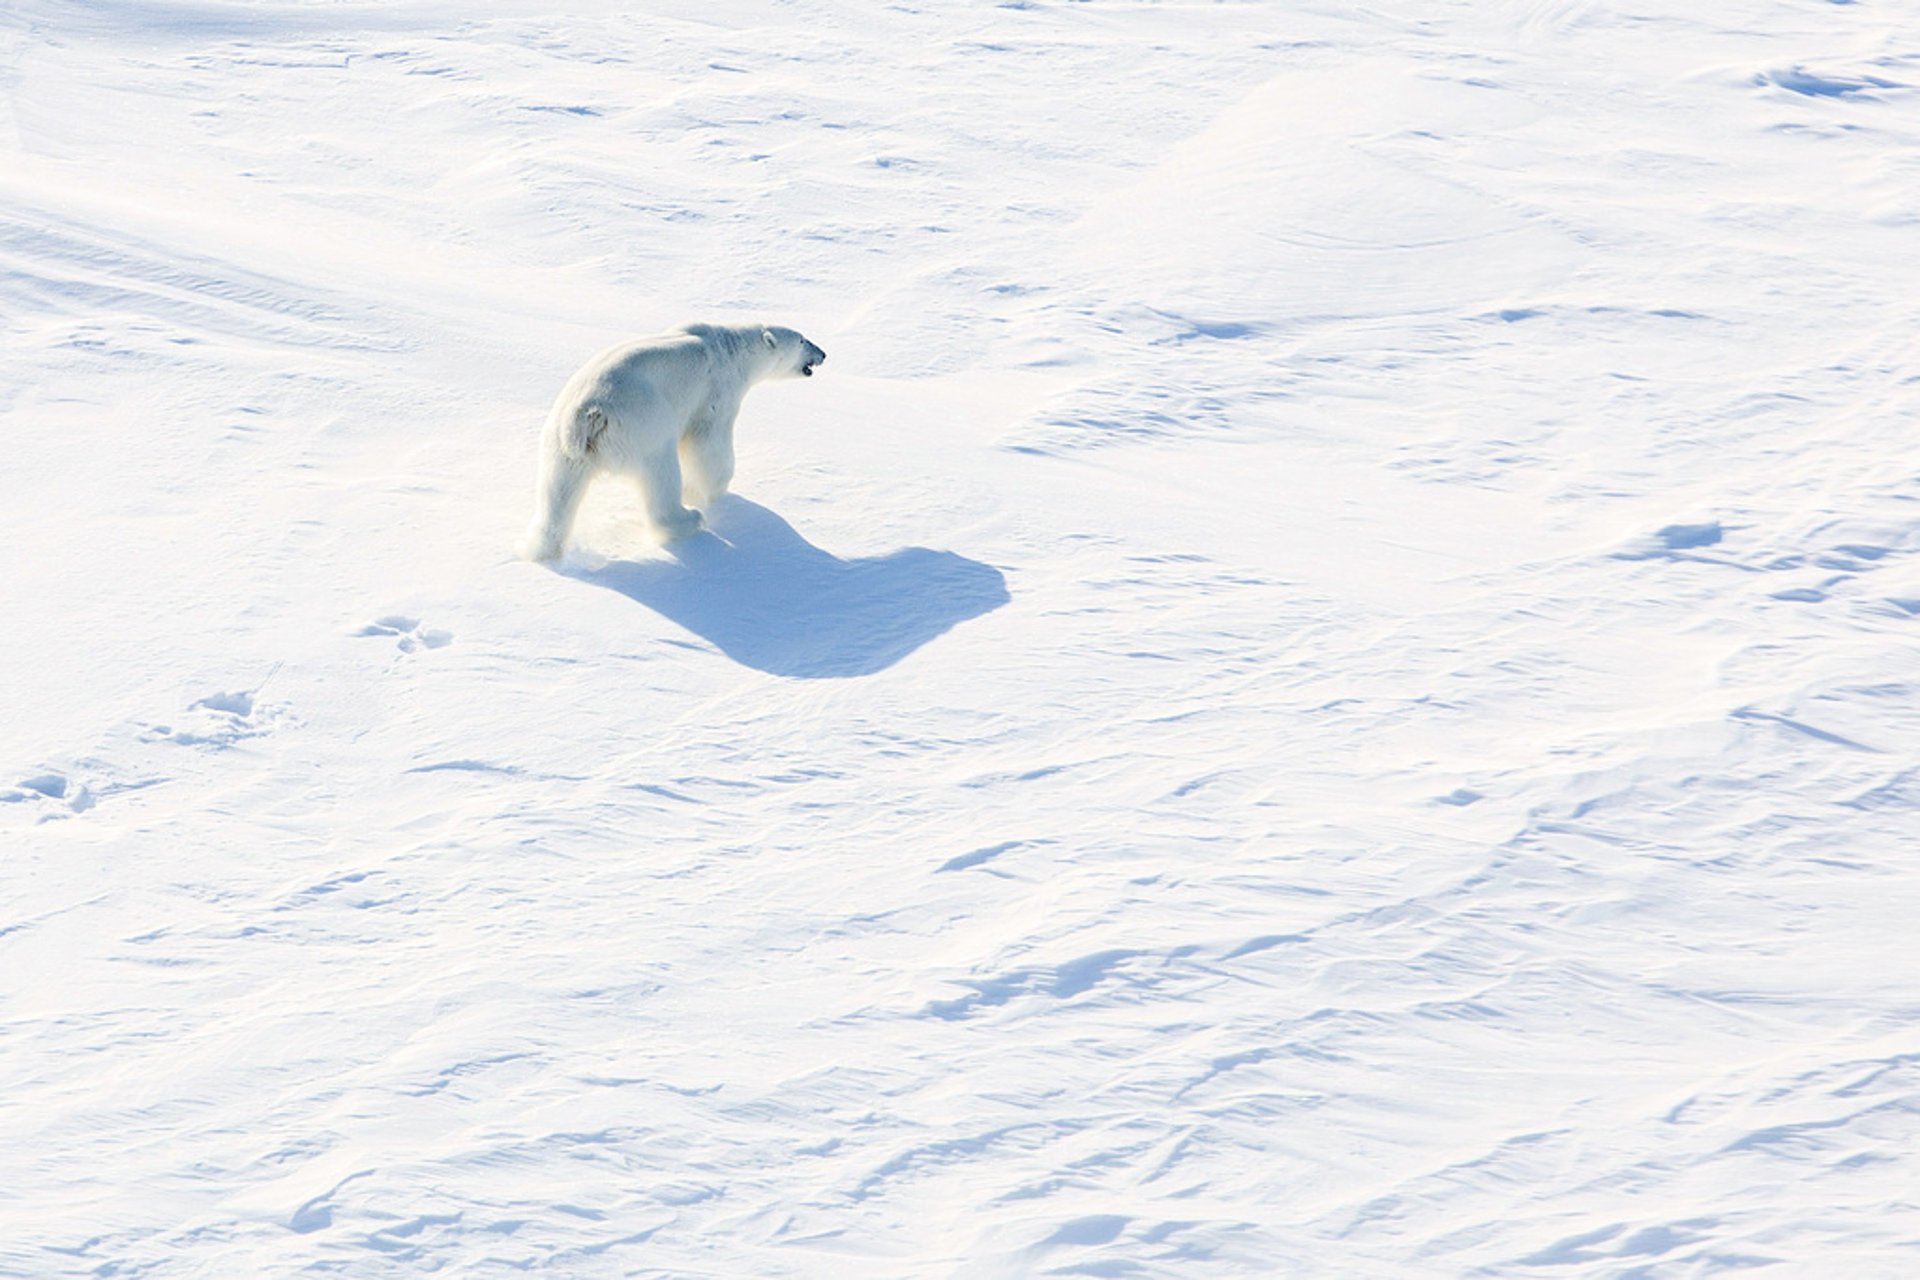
788	354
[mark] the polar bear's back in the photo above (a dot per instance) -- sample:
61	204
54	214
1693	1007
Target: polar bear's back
669	371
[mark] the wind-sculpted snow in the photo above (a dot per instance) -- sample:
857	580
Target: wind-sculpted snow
1323	687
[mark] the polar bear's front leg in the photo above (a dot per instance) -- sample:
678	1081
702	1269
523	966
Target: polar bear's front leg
660	491
707	459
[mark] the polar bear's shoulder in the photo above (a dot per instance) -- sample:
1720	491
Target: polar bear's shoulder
715	336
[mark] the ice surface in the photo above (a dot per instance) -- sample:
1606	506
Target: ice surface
1324	686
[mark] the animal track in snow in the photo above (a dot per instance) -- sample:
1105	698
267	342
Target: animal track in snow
410	635
51	785
54	787
218	720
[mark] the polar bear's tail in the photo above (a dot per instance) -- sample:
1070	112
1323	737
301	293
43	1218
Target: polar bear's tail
579	429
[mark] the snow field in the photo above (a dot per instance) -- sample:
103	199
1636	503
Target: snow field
1321	686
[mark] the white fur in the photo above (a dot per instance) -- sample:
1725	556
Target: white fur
660	410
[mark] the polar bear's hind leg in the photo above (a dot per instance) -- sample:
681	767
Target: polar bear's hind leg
563	481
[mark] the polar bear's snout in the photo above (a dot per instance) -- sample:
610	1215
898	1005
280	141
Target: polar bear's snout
811	357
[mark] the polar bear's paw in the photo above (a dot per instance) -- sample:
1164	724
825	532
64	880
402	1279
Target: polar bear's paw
541	545
683	523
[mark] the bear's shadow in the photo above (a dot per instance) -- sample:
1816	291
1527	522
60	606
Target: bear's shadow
767	598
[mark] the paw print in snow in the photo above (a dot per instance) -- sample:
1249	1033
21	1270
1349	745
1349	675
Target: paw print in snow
218	720
49	786
410	634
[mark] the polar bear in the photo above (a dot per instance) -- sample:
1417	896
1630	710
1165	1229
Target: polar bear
657	409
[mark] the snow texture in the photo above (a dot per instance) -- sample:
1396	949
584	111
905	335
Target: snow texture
1324	686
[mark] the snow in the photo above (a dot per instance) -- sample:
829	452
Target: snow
1322	685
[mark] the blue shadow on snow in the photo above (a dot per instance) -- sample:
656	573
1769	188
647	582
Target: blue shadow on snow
769	599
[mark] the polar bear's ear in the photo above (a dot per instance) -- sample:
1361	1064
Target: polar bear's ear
766	336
